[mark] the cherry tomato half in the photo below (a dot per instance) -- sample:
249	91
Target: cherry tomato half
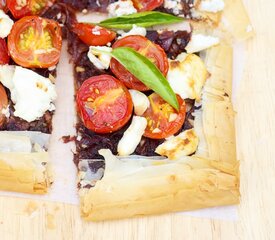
145	47
162	119
146	5
22	8
104	104
93	35
4	54
3	103
3	5
35	42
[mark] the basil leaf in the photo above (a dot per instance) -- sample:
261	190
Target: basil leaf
142	19
143	69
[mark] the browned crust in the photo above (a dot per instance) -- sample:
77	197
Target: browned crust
232	22
190	183
24	164
24	172
208	178
217	111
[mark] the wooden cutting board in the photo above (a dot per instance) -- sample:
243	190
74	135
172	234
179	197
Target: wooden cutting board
255	121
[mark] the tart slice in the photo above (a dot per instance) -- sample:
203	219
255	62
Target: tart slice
177	149
142	149
31	48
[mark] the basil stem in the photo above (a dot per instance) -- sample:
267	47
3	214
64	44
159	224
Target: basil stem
142	19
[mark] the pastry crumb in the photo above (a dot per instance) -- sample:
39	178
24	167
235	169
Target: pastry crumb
56	208
50	221
31	208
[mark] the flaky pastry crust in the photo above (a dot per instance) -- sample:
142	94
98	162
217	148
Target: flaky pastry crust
138	187
24	163
24	172
207	179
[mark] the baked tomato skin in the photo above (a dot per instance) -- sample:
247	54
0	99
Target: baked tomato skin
104	104
35	42
145	47
147	5
22	8
4	54
3	5
93	35
3	104
162	119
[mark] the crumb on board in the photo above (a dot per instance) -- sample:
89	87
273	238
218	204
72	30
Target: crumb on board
50	221
56	208
51	210
31	208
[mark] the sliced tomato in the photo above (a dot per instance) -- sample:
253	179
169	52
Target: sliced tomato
93	35
35	42
3	103
104	104
4	54
22	8
145	47
162	119
146	5
3	5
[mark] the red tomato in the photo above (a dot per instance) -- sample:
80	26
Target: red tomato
35	42
104	104
93	35
3	104
4	54
145	47
163	120
22	8
3	5
146	5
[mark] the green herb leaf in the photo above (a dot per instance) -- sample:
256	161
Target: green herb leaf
142	19
143	69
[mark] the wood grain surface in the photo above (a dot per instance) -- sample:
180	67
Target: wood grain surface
25	219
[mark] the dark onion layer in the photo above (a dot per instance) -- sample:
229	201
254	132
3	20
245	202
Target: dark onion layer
88	145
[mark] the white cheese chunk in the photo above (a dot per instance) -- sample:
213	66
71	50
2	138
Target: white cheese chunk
132	136
201	42
212	6
181	57
31	93
140	101
121	7
174	5
136	30
5	24
97	30
21	3
187	77
99	59
6	75
183	144
6	112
